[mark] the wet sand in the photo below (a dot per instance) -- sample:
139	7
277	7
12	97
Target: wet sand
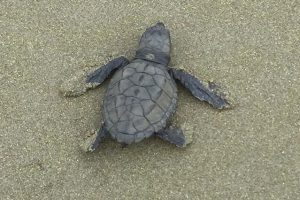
248	152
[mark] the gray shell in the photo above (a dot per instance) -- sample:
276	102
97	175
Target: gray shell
140	98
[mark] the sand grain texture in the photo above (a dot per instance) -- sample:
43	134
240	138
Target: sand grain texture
249	152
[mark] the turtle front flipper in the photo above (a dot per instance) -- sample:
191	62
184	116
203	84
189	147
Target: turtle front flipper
203	91
100	74
83	80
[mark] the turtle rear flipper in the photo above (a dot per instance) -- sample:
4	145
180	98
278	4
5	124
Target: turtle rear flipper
94	140
204	92
172	135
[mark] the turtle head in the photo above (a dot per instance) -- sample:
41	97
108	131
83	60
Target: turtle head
155	44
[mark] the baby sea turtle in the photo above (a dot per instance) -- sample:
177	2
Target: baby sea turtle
142	93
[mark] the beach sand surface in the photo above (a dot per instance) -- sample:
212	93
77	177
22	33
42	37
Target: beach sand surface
252	48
